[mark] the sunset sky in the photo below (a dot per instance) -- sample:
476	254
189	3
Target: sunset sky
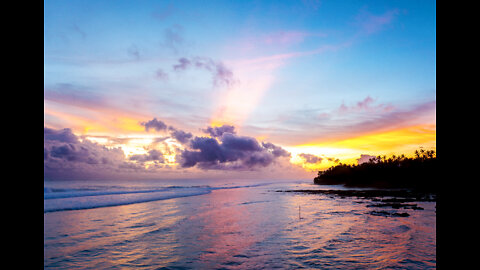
234	89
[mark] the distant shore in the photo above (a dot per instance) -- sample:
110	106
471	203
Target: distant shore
420	173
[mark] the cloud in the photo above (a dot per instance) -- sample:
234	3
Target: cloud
183	64
218	131
74	95
152	155
221	75
229	152
336	160
241	143
419	114
365	105
66	156
180	135
277	151
154	124
287	37
63	135
370	24
173	39
364	158
309	158
161	75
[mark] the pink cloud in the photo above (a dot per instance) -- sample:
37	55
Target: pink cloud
287	37
370	23
366	105
364	158
283	39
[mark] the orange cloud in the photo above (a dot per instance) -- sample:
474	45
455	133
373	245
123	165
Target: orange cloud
403	140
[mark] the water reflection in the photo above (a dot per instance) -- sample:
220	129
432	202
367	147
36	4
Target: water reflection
242	228
341	233
100	238
228	228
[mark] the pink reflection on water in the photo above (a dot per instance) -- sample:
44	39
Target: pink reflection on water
227	226
112	236
242	228
343	231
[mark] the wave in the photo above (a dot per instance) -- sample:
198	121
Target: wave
244	186
56	199
114	198
82	193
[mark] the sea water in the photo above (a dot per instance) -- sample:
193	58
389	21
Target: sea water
226	224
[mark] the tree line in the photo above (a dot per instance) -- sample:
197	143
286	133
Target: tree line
419	172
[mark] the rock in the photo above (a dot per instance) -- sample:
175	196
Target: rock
388	214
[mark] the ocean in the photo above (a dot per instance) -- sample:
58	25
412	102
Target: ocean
229	224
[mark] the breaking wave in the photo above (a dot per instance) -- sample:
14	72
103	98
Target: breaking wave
87	198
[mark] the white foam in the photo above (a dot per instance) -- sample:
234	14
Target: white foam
116	199
77	199
48	194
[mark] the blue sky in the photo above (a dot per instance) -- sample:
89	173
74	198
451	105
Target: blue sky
291	72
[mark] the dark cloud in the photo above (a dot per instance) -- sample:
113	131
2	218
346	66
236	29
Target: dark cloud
218	131
62	135
230	152
309	158
221	75
155	124
336	160
66	156
277	151
180	135
69	152
262	159
152	155
241	143
183	64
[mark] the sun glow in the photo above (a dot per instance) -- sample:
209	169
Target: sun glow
330	156
400	141
254	77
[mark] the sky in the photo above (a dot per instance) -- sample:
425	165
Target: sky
234	89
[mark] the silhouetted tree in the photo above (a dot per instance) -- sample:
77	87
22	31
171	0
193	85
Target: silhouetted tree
420	172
